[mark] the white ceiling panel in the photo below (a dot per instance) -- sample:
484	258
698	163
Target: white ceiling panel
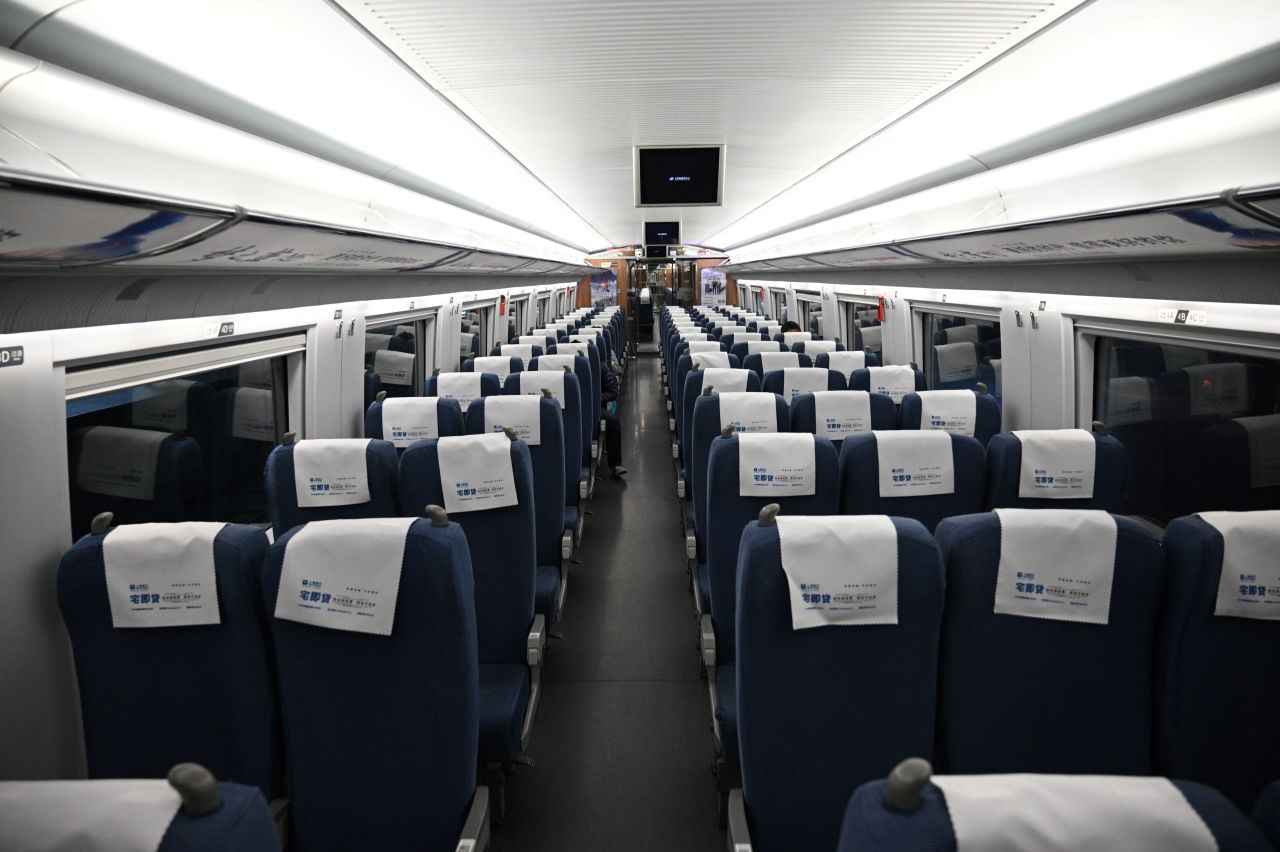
570	86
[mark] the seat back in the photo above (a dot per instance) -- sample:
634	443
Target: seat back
423	417
592	354
405	708
588	415
1087	814
1061	473
218	703
1214	713
742	348
868	485
879	707
321	492
1042	672
500	365
245	435
141	475
539	424
502	540
839	415
1240	464
955	365
766	362
706	425
570	420
683	367
949	411
693	387
732	509
845	364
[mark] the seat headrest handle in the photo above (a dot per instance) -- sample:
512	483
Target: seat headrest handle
510	433
769	515
707	390
726	431
289	438
101	523
436	371
197	787
905	784
439	517
381	396
1100	428
982	388
546	393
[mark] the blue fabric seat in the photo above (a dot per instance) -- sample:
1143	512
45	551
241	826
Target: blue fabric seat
683	368
490	385
448	418
1266	813
860	483
824	709
372	387
1006	680
872	825
377	725
1004	463
804	417
727	515
1215	709
218	703
571	431
823	359
514	364
504	699
814	351
684	414
704	429
589	417
503	547
1226	479
755	363
986	415
594	378
381	469
547	458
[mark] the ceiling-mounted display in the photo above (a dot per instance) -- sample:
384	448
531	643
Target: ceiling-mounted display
679	177
661	233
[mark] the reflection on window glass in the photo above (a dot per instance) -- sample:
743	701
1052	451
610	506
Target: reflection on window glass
470	340
1201	427
389	355
188	449
961	352
865	325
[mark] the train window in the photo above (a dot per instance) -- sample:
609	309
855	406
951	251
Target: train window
391	351
961	351
183	449
1201	427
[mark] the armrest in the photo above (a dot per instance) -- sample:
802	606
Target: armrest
604	425
582	489
566	545
475	831
738	835
668	405
537	641
707	642
595	449
675	450
691	546
679	485
280	816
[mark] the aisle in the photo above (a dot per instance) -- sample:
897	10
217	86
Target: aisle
622	740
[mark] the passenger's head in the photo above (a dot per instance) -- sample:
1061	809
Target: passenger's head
790	325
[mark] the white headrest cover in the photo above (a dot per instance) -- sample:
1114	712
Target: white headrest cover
119	461
716	358
344	574
162	575
331	472
915	464
748	412
846	362
410	418
499	365
394	368
1249	583
523	351
476	473
957	362
1071	813
558	363
1057	464
522	413
780	464
838	414
1056	564
103	815
463	387
253	414
954	411
162	405
961	334
533	382
724	380
893	381
826	557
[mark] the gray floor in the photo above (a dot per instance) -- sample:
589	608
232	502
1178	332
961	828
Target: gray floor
622	739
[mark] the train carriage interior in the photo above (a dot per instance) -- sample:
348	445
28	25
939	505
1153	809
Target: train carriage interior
535	425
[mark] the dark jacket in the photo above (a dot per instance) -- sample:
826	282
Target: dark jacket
608	383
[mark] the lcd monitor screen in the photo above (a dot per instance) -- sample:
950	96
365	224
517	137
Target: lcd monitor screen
661	233
677	177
